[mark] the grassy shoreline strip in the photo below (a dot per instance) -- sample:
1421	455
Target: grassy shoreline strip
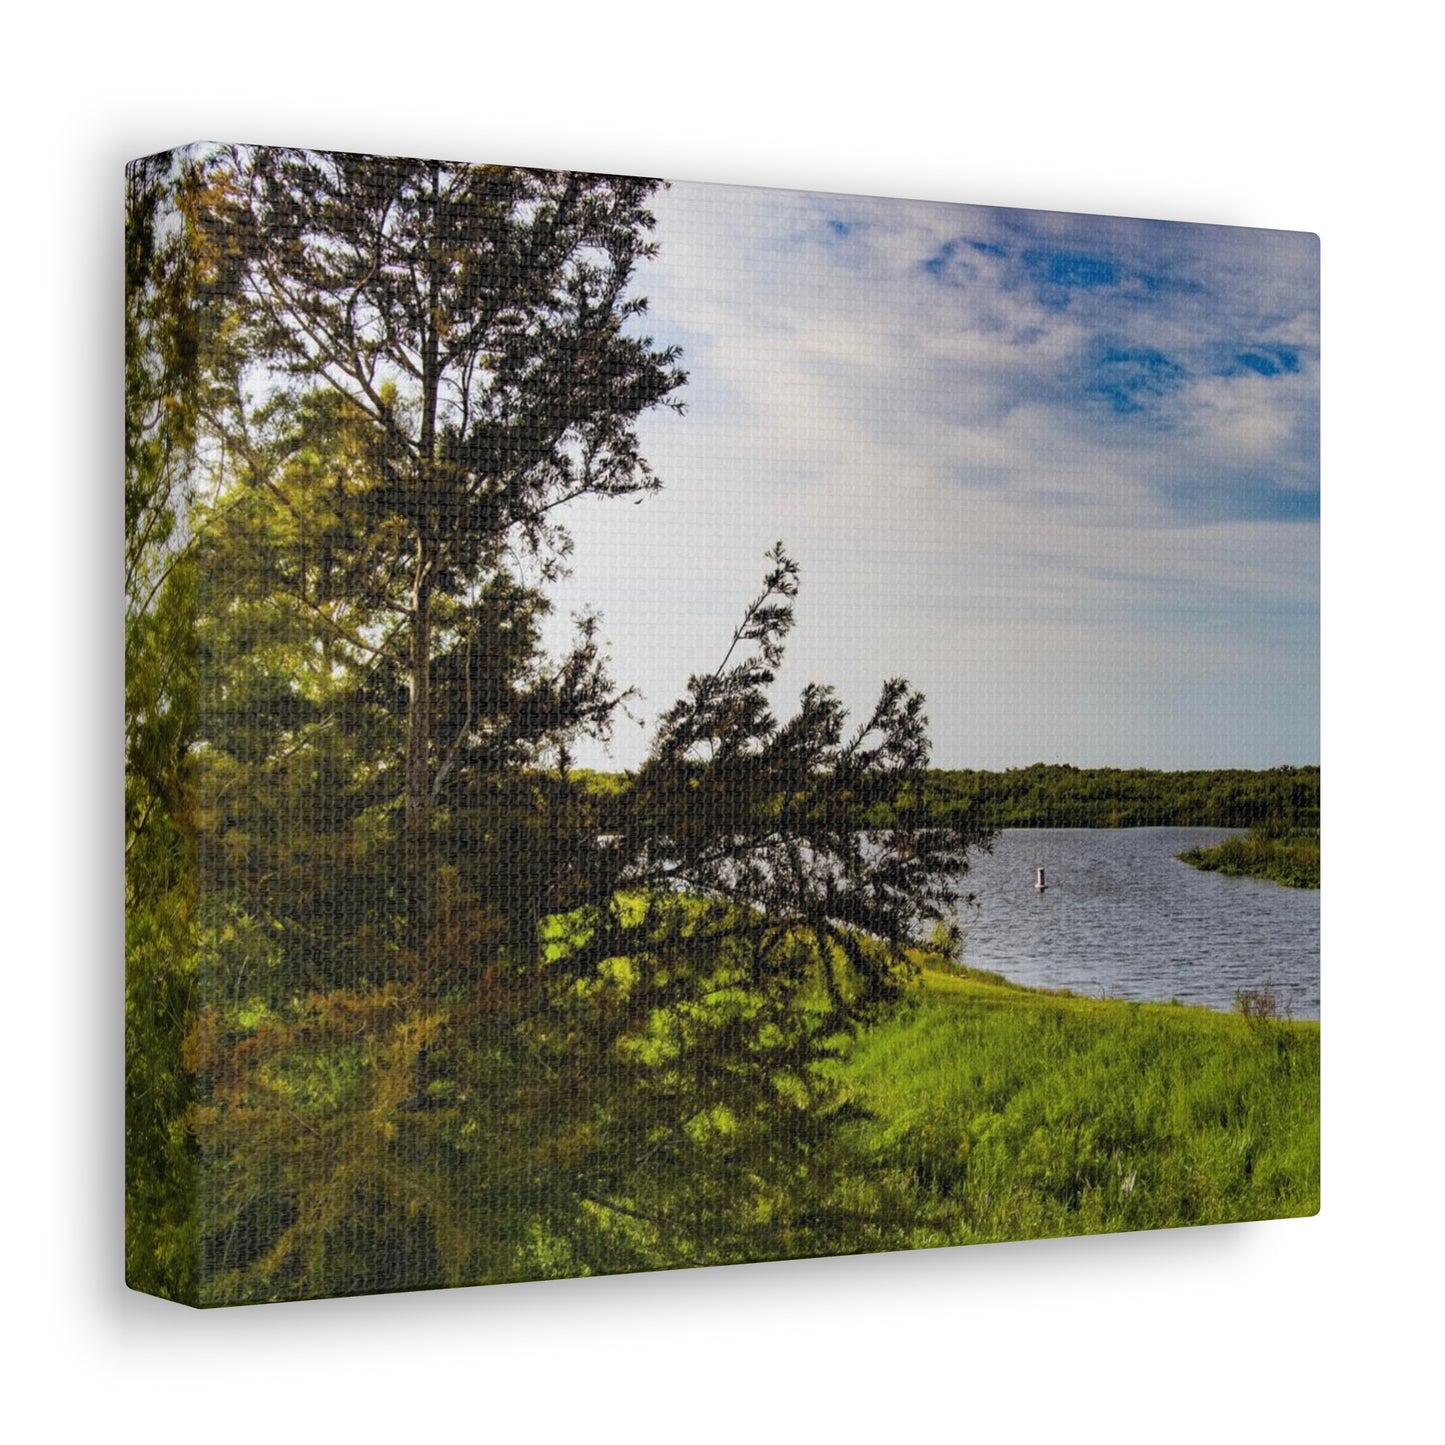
999	1112
1292	859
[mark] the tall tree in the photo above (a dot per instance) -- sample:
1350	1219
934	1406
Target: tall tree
162	378
476	319
540	1027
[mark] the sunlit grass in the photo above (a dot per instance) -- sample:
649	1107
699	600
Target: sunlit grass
1005	1113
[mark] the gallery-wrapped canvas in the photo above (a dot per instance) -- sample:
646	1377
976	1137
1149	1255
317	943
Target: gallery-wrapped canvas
541	859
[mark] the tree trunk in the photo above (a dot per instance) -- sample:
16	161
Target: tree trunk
417	863
416	784
418	721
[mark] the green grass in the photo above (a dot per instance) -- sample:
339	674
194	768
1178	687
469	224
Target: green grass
1290	858
980	1111
1005	1113
989	1111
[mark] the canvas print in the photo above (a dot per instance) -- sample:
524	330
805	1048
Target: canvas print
675	724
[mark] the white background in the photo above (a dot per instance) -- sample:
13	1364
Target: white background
1250	114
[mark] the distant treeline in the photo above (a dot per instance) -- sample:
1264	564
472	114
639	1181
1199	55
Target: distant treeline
1058	795
1061	796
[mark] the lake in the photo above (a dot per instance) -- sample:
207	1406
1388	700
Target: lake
1122	916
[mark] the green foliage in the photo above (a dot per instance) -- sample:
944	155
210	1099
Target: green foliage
471	327
1062	796
1273	850
610	1049
161	703
461	1014
161	891
1058	795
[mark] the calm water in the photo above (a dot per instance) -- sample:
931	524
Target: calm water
1123	916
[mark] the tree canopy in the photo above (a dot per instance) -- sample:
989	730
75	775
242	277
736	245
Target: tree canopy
461	1015
474	322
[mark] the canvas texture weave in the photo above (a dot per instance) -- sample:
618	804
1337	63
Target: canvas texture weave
672	725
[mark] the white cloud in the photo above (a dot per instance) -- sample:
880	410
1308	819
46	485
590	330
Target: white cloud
967	503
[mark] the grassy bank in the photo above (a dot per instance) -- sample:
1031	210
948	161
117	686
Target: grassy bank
974	1111
1291	858
1005	1113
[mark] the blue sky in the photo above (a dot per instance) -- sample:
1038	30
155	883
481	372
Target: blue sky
1059	471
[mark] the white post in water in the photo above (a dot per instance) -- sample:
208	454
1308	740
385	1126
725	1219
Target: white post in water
1039	883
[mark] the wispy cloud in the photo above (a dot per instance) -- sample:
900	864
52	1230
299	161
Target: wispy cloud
1039	460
